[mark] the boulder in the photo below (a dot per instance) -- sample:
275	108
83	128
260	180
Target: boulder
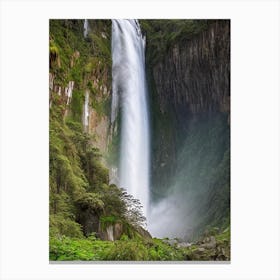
211	243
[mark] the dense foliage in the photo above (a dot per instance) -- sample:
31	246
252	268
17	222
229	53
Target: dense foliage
139	249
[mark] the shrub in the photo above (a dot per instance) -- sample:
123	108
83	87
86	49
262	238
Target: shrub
127	251
90	200
60	226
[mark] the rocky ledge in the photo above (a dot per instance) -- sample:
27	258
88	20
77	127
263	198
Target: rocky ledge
212	247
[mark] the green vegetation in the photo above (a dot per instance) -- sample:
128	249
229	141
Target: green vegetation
82	203
74	58
81	199
139	249
122	250
79	182
67	248
78	187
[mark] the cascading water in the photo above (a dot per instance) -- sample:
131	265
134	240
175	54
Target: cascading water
86	28
86	110
130	92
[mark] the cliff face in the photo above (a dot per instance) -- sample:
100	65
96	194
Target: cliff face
80	89
80	74
190	99
189	85
195	74
82	200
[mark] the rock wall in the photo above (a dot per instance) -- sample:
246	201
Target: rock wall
190	100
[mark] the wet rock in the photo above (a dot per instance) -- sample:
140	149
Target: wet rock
201	64
200	250
184	245
211	243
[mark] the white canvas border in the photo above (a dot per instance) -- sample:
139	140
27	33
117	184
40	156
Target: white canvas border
254	130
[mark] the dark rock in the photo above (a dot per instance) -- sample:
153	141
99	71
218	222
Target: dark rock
89	220
200	250
195	74
211	242
111	232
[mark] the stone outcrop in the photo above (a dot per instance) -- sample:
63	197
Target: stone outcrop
112	232
115	231
208	248
89	220
97	82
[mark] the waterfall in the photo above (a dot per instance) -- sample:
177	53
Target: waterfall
86	110
86	28
130	93
69	91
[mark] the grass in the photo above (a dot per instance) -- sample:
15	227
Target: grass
91	249
73	249
134	249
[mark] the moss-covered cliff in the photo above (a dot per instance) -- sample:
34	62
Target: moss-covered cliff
82	202
80	66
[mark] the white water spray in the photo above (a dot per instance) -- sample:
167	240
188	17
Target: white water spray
130	92
86	28
86	110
